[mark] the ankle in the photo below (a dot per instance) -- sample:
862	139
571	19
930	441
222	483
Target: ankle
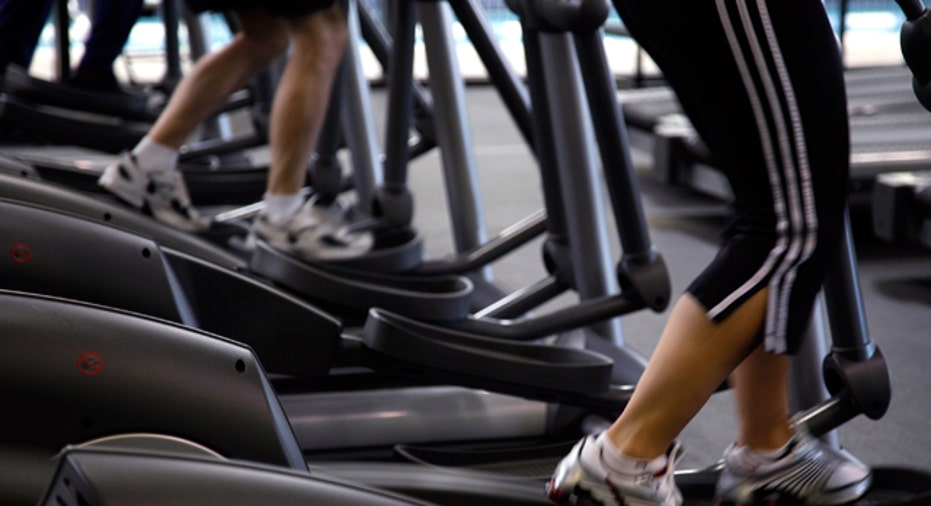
280	208
622	462
768	441
630	442
152	156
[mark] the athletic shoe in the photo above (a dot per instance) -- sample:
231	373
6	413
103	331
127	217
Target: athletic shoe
582	478
317	232
162	195
809	472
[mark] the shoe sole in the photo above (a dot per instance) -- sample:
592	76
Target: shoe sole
583	498
840	497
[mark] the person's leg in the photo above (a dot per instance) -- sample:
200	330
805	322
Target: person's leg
208	85
300	103
693	358
21	23
761	395
772	459
316	231
782	143
762	83
302	96
147	177
111	23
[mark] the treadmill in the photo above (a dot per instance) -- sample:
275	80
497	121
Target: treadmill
889	132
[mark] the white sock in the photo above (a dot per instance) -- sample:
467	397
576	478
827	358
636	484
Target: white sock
280	208
154	157
616	461
756	457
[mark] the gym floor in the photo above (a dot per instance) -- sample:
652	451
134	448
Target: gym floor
895	280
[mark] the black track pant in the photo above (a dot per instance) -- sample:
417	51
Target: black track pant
762	82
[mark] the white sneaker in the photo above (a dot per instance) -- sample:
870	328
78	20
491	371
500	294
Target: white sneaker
809	472
582	478
162	195
317	233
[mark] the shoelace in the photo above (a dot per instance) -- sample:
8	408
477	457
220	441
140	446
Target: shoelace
661	481
166	182
667	486
347	225
169	186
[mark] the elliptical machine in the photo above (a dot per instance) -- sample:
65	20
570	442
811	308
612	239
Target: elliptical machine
858	377
901	201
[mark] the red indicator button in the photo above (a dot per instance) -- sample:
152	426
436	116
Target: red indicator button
21	253
90	364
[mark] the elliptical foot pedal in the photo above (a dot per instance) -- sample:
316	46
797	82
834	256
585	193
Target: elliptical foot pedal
535	370
892	486
535	462
439	298
44	124
135	105
396	250
898	486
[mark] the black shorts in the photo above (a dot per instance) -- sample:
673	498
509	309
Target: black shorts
762	82
282	8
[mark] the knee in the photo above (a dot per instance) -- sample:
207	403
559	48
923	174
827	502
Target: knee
261	49
321	41
332	44
334	25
